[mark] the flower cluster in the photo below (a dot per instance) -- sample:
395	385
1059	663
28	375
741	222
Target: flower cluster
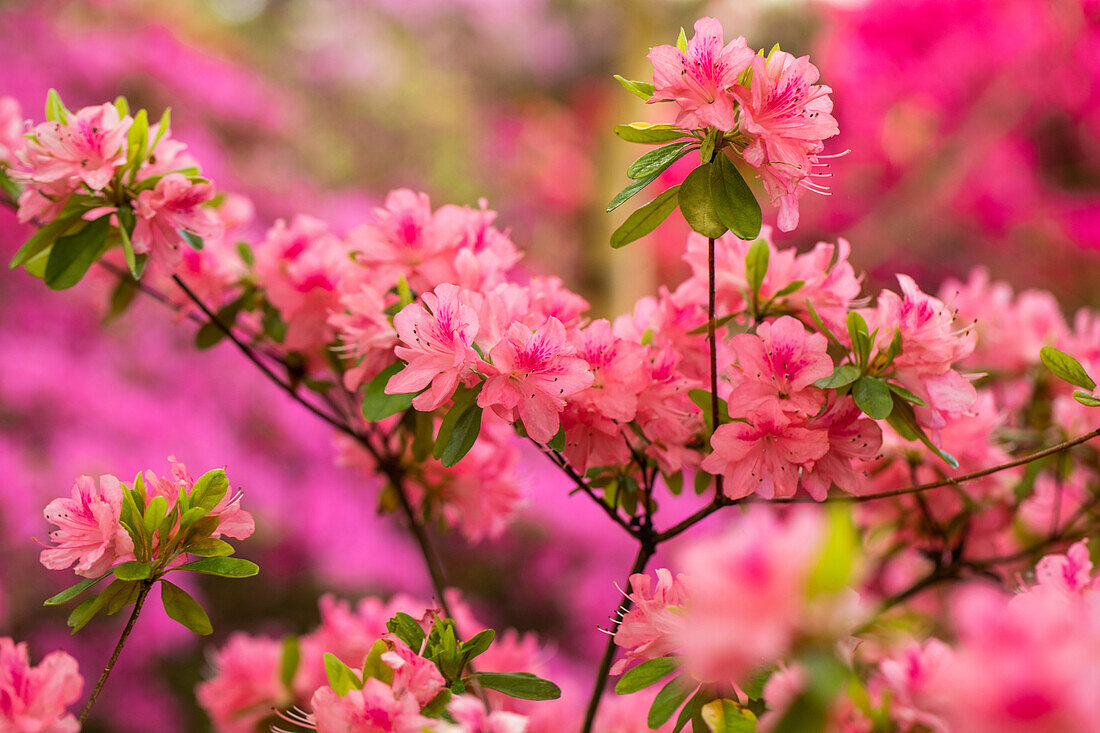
397	665
141	532
33	699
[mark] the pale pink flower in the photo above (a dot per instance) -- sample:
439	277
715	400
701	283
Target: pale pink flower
89	533
413	674
374	709
1069	573
754	576
245	684
648	630
33	699
908	677
550	299
471	717
12	126
232	520
173	206
699	80
787	115
776	369
531	375
852	437
365	332
44	202
436	340
301	267
764	457
89	147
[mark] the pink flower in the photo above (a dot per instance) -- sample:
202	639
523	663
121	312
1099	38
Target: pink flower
413	674
436	341
365	333
173	206
89	532
776	369
232	520
787	115
245	685
699	80
531	375
33	699
471	717
1069	573
852	437
374	709
908	677
89	147
930	342
648	630
12	125
764	457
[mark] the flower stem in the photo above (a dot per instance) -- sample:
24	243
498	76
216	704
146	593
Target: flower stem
146	586
645	552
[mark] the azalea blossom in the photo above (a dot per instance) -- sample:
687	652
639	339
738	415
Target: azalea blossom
173	206
89	534
648	630
89	147
764	456
699	79
776	369
232	520
33	699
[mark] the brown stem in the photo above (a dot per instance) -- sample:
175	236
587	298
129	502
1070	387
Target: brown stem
645	552
712	341
145	588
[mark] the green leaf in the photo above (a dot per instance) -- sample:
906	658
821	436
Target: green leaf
668	701
726	716
377	405
737	207
132	570
45	236
244	250
209	489
701	398
183	609
154	513
477	644
8	187
710	141
628	192
1065	367
464	400
648	134
905	394
405	628
437	705
842	376
754	687
423	442
820	323
121	297
657	160
55	108
838	556
690	711
522	685
682	41
289	660
137	139
873	397
646	218
341	678
756	265
905	423
557	443
194	240
73	591
87	610
463	436
645	674
126	594
210	547
73	254
792	287
211	333
1085	398
162	127
696	204
857	334
641	89
374	667
224	567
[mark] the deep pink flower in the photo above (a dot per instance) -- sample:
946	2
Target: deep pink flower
365	332
699	80
852	437
908	677
764	457
89	147
175	204
33	699
436	340
1069	573
232	520
787	115
776	369
531	375
89	532
930	341
648	630
413	674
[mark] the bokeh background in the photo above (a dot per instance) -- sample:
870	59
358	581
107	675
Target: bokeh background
974	129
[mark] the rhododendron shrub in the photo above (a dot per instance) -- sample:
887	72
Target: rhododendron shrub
946	432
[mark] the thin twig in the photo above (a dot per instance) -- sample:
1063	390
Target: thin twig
146	586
